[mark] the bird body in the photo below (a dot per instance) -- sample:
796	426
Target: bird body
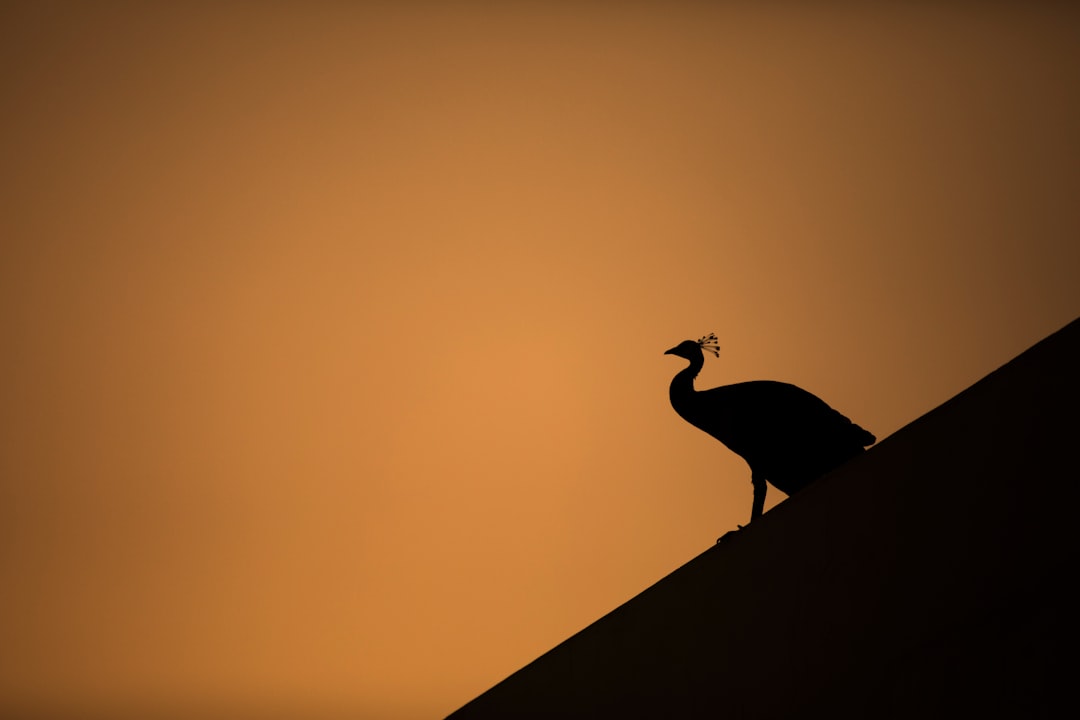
788	436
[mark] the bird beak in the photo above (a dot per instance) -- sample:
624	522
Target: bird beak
670	352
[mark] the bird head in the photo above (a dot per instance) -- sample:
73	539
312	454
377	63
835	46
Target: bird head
690	349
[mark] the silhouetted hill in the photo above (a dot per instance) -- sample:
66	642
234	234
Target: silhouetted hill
931	577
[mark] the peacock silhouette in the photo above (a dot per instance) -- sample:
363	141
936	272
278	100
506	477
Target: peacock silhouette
789	437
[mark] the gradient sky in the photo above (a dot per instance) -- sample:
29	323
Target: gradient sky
332	372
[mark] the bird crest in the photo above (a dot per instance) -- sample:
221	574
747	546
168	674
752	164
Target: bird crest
710	343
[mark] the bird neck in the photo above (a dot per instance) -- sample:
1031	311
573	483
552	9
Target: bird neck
682	385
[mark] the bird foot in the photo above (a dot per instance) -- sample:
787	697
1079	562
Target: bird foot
727	536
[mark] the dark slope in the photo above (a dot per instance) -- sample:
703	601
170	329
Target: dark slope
929	577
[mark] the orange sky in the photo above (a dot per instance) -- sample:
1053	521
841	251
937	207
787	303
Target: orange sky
332	373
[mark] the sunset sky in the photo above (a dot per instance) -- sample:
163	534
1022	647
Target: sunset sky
332	374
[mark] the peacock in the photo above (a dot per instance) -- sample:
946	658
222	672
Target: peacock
789	437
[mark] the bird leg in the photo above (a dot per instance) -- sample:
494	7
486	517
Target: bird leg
760	487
